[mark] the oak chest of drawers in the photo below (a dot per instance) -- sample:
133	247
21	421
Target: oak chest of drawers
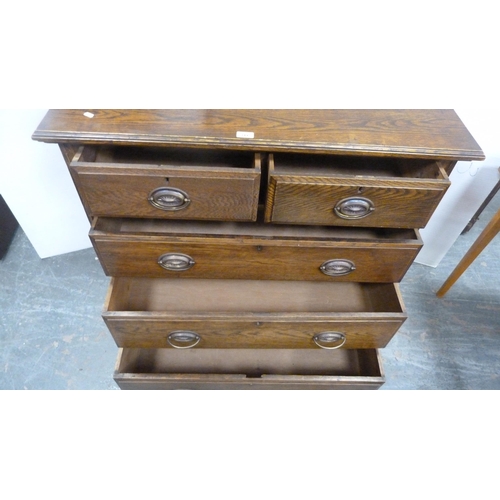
256	248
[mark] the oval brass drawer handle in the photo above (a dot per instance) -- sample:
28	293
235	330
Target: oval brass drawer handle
354	208
329	340
169	199
337	267
176	261
183	339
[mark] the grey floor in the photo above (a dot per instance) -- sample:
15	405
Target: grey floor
52	335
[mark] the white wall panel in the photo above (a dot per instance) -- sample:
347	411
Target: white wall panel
471	184
37	186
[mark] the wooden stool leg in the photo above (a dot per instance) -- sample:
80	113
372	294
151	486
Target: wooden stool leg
478	246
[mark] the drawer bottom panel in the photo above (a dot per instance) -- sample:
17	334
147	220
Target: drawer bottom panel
237	369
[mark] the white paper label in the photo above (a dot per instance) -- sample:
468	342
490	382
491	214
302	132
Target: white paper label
245	135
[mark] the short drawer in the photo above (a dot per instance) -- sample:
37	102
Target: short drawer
184	249
167	183
183	314
353	191
248	369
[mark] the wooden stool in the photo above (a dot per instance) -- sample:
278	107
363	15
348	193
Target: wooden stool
478	246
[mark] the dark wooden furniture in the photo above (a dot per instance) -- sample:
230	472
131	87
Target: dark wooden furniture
256	248
8	226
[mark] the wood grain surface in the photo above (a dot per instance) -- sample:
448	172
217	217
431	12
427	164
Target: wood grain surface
410	133
252	251
120	189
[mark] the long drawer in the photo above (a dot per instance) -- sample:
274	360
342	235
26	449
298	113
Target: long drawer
354	191
248	369
167	182
184	249
197	314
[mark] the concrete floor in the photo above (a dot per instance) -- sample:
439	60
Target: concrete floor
52	335
453	342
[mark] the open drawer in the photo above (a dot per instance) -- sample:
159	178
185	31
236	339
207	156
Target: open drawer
199	184
354	191
197	314
248	369
228	250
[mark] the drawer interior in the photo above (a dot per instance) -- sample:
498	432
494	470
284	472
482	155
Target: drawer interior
251	362
251	296
166	157
152	227
356	166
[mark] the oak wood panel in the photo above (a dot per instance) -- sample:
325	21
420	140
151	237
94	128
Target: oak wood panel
68	152
219	193
300	203
256	332
404	202
253	254
409	133
248	369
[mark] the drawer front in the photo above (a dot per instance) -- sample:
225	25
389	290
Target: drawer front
197	314
212	332
248	369
366	256
297	197
248	260
207	192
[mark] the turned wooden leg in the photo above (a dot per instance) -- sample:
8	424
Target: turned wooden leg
478	246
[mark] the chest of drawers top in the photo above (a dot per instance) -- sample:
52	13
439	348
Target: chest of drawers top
437	134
